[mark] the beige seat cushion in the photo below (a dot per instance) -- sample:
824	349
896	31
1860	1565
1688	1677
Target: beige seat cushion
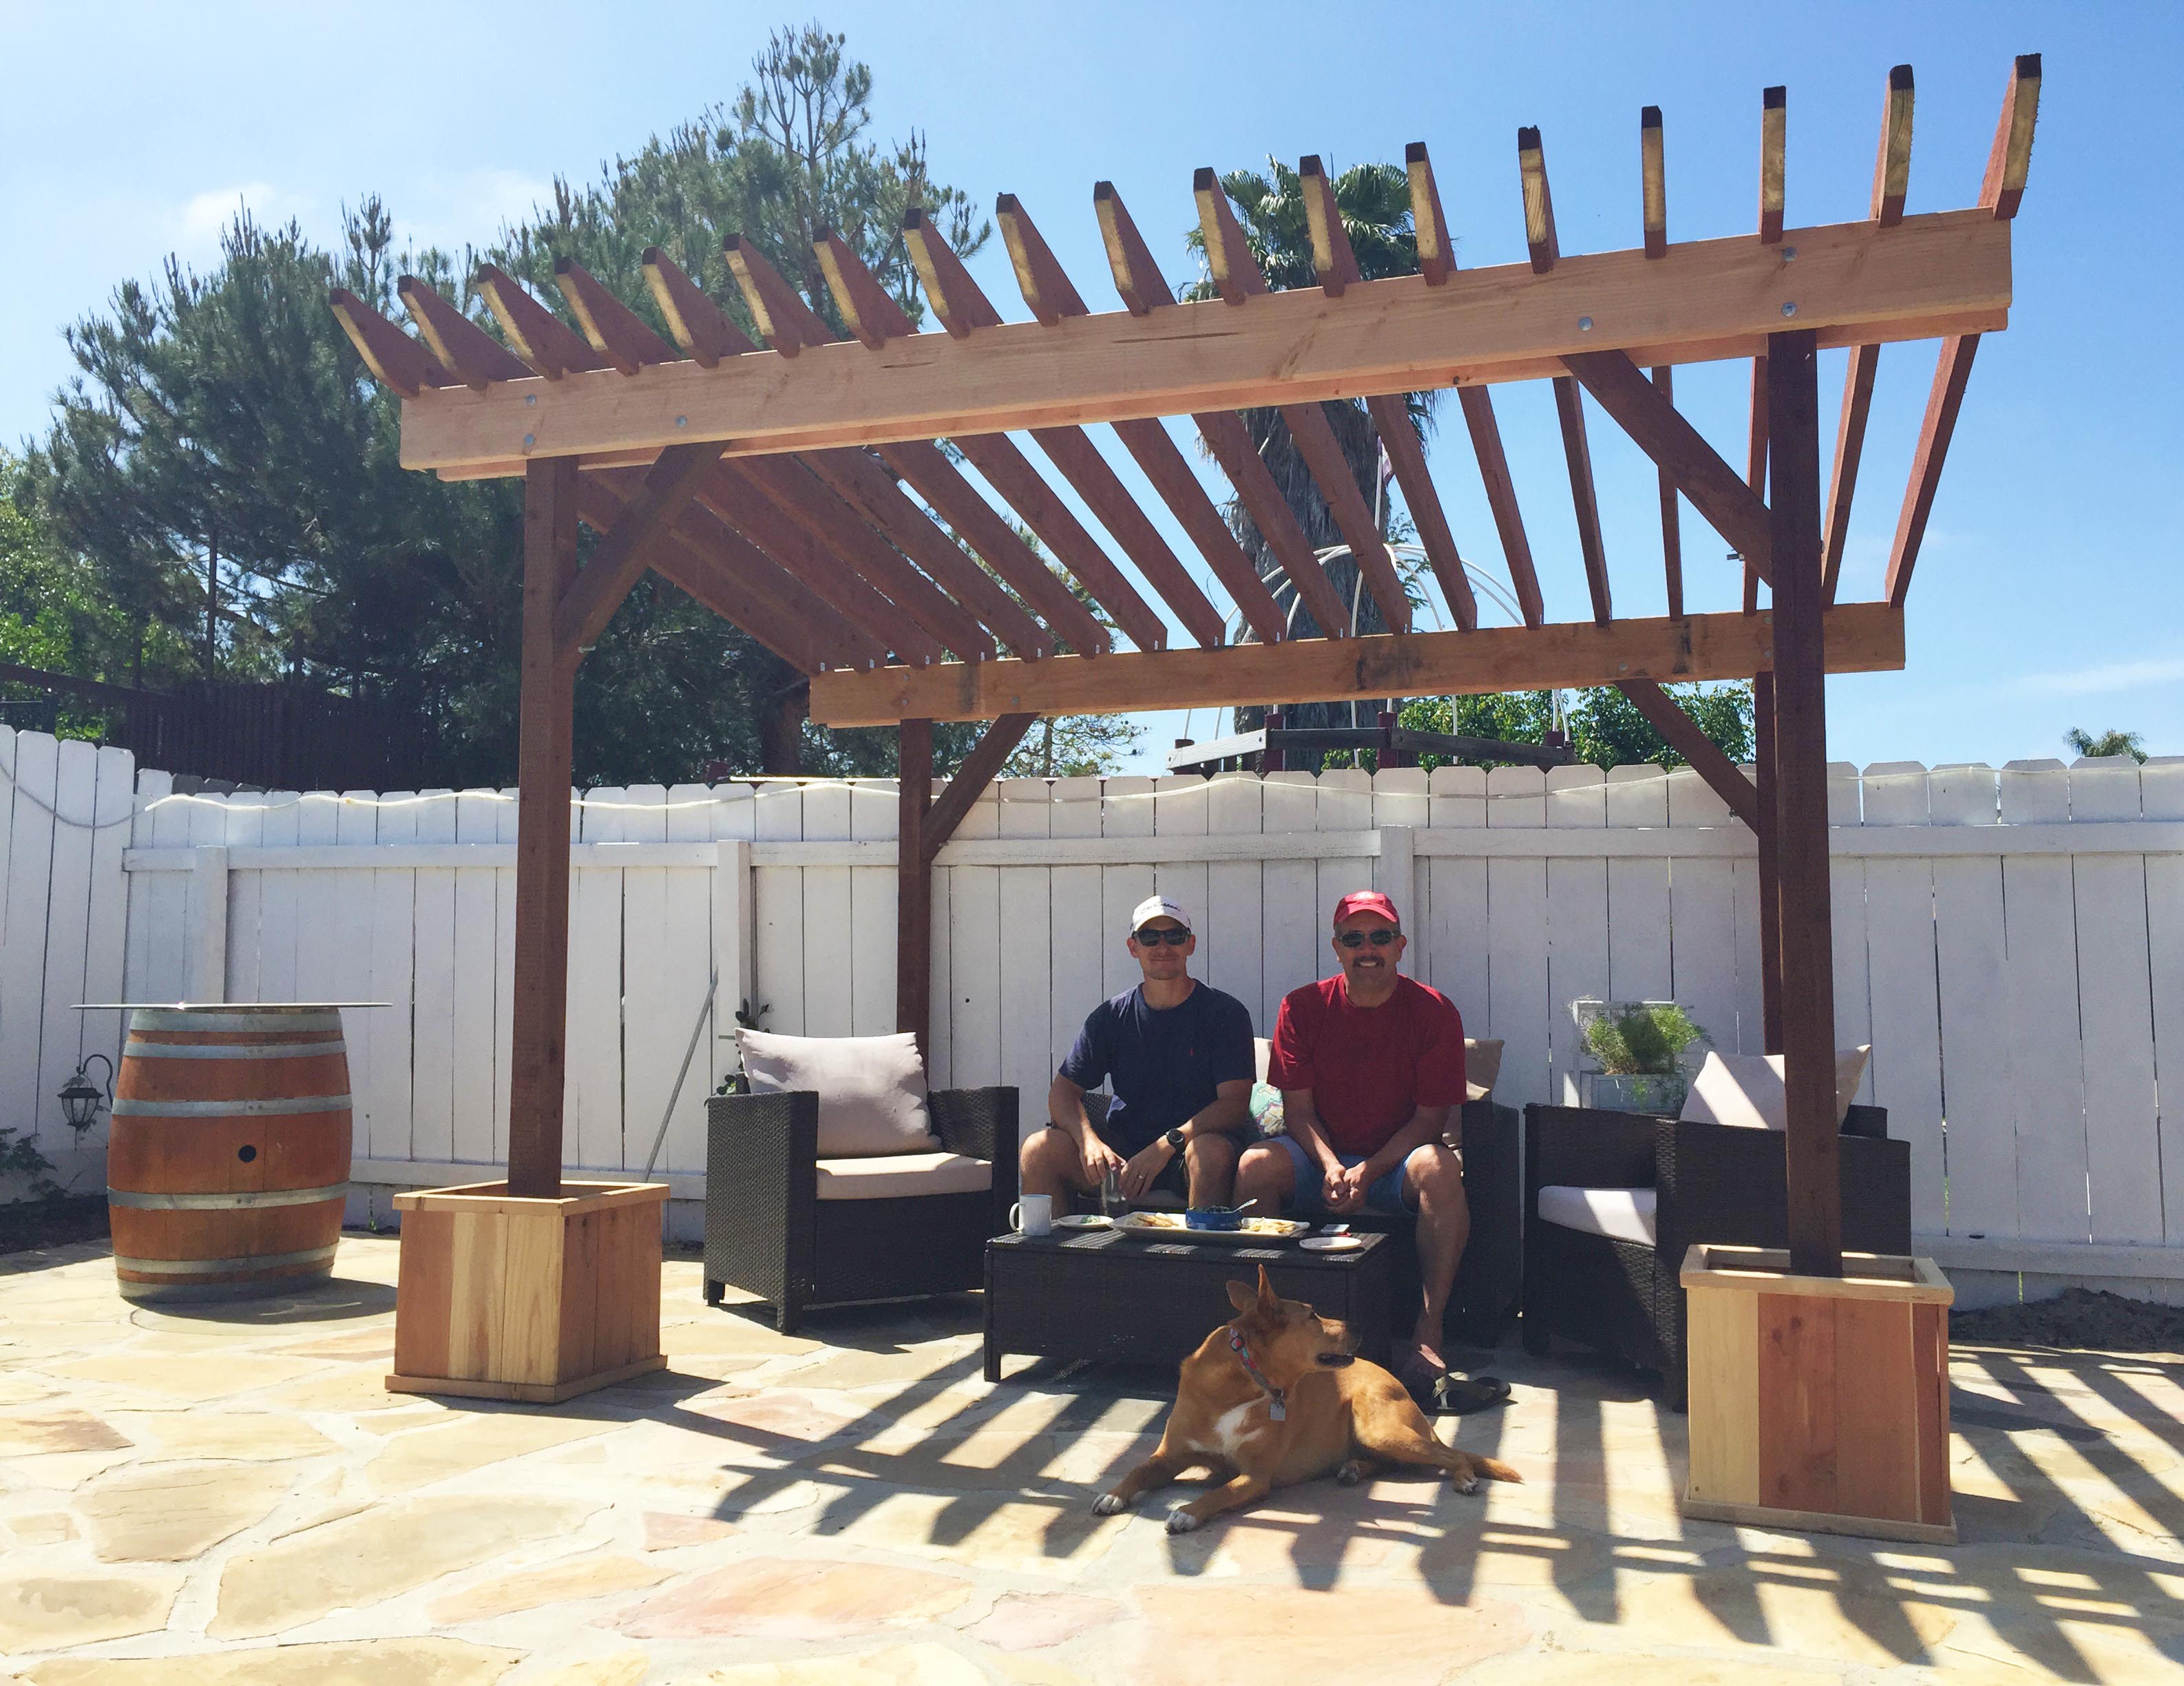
1619	1213
882	1176
871	1089
1482	1064
1746	1090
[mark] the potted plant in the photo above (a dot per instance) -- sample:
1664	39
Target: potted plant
1639	1049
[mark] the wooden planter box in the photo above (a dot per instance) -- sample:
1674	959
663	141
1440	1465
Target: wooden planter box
1819	1403
504	1298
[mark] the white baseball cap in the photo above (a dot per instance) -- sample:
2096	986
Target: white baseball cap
1157	907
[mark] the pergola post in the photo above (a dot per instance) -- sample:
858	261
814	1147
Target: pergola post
544	771
913	901
1801	810
1770	871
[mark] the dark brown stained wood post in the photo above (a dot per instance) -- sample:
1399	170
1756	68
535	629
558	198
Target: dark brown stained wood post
1770	873
913	934
1273	759
544	768
1801	758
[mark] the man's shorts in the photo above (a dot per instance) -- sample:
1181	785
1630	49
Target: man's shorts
1386	1195
1174	1178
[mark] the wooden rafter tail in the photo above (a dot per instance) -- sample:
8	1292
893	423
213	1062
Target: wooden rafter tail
698	326
1773	147
1546	246
1052	296
1755	468
396	361
1336	262
874	317
540	339
1891	169
1237	276
1672	535
2009	160
1653	181
615	332
730	493
685	563
1891	183
1143	289
963	307
621	556
459	344
816	508
1436	250
1658	428
788	323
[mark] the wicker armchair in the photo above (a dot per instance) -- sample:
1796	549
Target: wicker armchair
1490	1281
1711	1183
768	1233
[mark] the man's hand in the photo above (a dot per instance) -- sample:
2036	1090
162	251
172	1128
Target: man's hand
1146	1163
1099	1159
1342	1189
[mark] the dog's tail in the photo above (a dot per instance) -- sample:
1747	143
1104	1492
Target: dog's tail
1494	1470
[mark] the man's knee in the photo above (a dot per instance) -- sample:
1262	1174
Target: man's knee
1045	1150
1435	1175
1212	1152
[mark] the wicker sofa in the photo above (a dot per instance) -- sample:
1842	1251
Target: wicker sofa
1619	1292
795	1232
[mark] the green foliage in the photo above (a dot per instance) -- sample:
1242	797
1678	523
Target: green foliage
1641	1036
1604	729
20	1157
228	472
2133	743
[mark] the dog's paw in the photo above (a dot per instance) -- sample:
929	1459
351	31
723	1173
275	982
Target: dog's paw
1351	1473
1107	1504
1468	1483
1181	1521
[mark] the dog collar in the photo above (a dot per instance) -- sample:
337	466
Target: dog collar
1279	1410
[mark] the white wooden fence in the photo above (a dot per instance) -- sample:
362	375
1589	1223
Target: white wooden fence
2011	943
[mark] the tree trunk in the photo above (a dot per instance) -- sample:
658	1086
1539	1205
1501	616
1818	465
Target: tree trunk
781	732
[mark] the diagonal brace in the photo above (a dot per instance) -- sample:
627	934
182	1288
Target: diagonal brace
621	556
1722	776
979	770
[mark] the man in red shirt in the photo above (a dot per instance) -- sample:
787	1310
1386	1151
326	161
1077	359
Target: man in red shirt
1370	1065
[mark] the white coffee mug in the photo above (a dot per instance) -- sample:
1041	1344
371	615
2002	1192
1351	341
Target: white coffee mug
1033	1214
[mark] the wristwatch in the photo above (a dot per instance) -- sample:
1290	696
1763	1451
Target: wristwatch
1174	1140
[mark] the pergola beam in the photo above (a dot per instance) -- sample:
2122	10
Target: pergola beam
1862	637
1853	284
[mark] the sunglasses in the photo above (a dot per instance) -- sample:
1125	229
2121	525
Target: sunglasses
1175	937
1379	939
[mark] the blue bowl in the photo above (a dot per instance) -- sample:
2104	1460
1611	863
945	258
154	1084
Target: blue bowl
1213	1217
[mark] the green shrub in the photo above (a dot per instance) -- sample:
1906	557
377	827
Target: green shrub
1641	1037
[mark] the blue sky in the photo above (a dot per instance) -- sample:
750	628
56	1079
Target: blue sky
2049	595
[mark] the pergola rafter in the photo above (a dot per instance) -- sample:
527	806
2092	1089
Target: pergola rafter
774	485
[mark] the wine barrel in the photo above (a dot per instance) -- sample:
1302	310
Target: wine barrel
227	1165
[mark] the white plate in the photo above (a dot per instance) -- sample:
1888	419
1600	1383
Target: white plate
1154	1226
1083	1220
1330	1243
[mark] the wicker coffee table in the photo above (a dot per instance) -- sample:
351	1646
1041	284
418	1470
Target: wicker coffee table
1103	1294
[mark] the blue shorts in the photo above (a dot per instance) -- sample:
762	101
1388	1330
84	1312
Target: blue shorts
1386	1195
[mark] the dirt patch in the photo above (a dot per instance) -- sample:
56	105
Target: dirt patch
26	1226
2078	1318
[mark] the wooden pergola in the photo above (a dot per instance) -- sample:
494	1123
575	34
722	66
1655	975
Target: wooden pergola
798	489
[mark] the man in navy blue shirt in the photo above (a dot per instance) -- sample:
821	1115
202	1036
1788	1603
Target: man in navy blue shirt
1178	1057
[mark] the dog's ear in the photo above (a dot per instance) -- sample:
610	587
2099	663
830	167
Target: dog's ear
1270	1303
1242	1295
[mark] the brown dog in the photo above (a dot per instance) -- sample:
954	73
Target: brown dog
1274	1398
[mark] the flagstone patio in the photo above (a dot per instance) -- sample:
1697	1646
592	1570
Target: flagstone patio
231	1498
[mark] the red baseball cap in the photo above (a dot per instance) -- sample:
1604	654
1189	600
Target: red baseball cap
1366	902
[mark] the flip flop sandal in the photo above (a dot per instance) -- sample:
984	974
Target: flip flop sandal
1419	1379
1459	1395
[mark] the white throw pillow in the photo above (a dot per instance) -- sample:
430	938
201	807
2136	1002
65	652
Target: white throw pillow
1746	1090
871	1089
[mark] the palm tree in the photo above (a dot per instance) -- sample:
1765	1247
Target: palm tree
1375	204
2131	744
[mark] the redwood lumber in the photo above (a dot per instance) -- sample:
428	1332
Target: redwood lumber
913	930
538	1000
1773	147
2009	160
620	559
1771	869
1659	429
1723	776
1162	464
1237	276
1755	467
1653	181
1569	411
788	323
979	769
1892	167
614	331
459	344
1336	263
1672	533
1808	966
1145	290
1863	638
1952	371
1436	249
540	339
396	360
1929	275
1539	240
700	326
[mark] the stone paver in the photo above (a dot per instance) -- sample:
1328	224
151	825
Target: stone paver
234	1499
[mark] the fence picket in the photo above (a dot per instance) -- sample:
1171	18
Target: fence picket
37	762
278	906
1846	916
1702	916
1977	1071
1902	965
875	816
1077	933
592	1085
1516	925
1458	959
2161	795
1290	917
828	928
385	1126
67	941
106	935
1577	921
1026	932
975	956
242	818
777	898
432	1025
1230	912
476	985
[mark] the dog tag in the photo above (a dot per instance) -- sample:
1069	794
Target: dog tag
1277	1412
